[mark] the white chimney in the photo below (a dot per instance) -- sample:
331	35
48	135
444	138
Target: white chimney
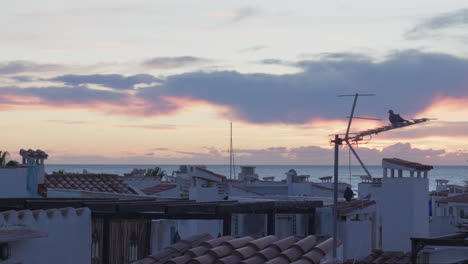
405	203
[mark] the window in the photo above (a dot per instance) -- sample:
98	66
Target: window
4	251
95	245
133	248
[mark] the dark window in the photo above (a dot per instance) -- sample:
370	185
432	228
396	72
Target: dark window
95	245
133	248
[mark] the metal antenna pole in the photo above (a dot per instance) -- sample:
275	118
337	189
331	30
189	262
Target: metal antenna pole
335	198
357	157
352	115
230	156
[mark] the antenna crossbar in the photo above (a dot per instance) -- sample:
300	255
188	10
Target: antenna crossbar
359	135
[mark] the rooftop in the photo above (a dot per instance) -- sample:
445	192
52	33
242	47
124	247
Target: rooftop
88	182
204	249
351	206
211	173
408	164
159	188
461	198
379	256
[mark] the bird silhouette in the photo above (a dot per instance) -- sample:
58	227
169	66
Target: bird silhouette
395	119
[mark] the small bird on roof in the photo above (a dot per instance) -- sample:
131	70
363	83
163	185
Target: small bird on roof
395	119
348	194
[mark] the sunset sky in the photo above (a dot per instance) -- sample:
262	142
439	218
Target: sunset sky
158	82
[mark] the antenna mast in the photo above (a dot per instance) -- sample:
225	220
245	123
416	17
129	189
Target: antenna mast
230	154
349	140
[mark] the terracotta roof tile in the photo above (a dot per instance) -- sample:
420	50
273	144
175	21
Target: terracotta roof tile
211	173
348	207
379	256
159	188
461	198
245	250
247	190
88	182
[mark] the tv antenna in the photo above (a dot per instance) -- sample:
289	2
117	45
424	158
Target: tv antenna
355	138
232	169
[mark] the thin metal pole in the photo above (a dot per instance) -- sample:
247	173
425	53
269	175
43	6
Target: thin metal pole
230	155
351	116
357	157
335	199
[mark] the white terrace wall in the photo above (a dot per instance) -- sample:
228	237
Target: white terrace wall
15	179
405	212
68	240
14	182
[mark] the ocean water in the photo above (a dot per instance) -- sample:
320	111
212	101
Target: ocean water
455	174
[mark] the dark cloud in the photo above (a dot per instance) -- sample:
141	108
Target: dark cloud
273	62
406	82
66	95
22	78
244	13
115	81
173	62
20	66
433	26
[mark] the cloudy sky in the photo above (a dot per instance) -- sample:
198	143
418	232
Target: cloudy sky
158	82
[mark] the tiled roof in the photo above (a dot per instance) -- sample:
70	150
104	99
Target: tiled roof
211	173
325	188
247	190
9	235
409	164
203	249
449	191
159	188
88	182
379	256
348	207
462	198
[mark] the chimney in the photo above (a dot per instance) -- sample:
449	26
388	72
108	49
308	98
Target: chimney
405	203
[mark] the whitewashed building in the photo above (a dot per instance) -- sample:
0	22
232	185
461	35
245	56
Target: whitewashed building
46	236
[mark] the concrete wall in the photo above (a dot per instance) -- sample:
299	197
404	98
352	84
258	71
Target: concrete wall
442	225
300	188
356	237
405	212
68	240
14	182
204	194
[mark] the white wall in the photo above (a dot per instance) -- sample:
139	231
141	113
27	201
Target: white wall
442	225
14	182
405	212
356	237
204	194
68	240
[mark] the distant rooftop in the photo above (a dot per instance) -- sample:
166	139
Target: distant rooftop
88	182
408	164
